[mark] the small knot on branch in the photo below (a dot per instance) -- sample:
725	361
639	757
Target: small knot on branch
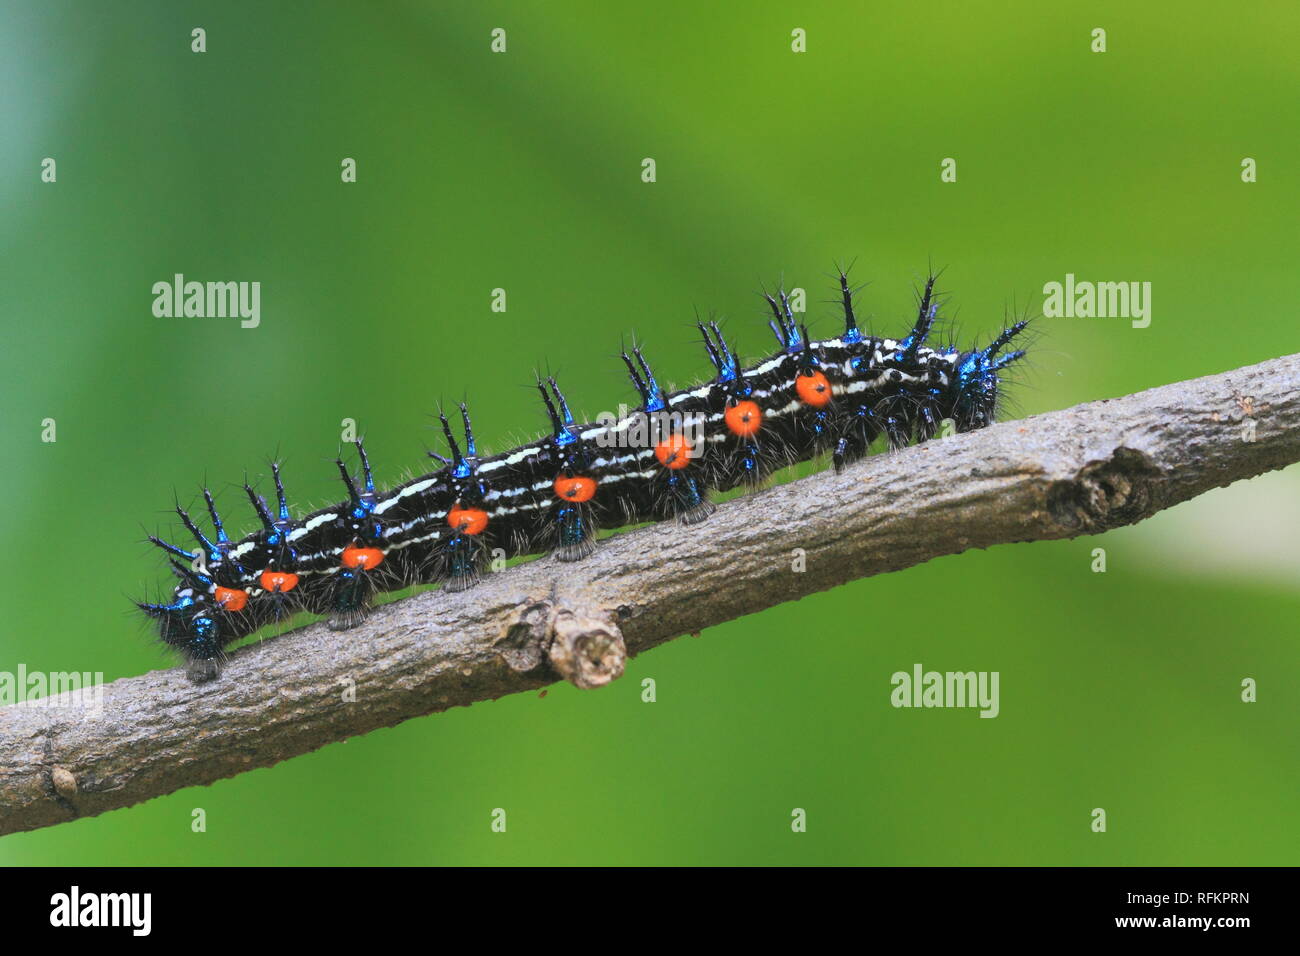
585	646
527	637
1107	494
65	782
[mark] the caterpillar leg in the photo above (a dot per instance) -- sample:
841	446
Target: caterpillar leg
689	502
573	531
858	429
464	556
351	600
681	490
354	585
744	454
464	553
278	557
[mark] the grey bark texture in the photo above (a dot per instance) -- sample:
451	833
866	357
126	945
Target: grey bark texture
1078	471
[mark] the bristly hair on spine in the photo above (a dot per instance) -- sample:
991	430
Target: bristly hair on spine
831	397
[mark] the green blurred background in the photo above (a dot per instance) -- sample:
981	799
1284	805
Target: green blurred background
522	170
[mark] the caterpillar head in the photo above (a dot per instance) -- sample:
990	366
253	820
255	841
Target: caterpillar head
974	382
190	623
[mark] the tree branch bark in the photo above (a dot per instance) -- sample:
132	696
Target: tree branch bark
1079	471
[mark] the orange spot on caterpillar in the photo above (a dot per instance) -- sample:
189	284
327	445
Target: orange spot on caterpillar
231	599
813	389
277	582
467	520
744	418
575	489
674	452
363	558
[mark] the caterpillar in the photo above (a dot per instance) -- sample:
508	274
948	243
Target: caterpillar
661	461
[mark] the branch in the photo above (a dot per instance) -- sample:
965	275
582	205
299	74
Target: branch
1079	471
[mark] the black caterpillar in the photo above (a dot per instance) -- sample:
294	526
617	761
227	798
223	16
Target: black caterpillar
811	398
